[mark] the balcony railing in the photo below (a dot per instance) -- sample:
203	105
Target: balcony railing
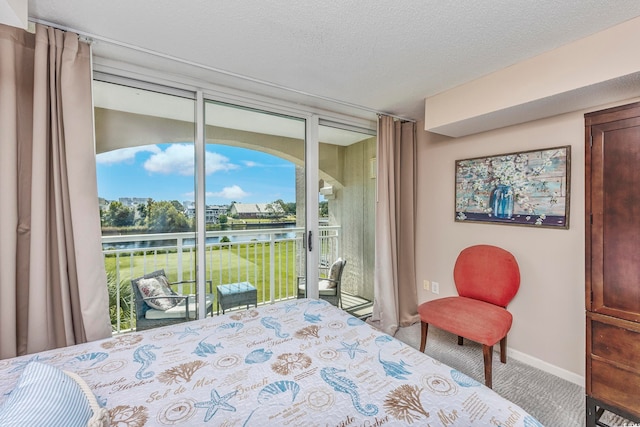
271	259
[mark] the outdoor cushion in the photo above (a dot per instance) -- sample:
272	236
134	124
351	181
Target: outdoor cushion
326	284
334	272
158	287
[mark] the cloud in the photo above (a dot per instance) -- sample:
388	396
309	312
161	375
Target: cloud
253	164
124	154
217	162
179	159
232	193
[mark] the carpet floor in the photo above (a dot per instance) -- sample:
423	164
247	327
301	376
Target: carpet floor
555	402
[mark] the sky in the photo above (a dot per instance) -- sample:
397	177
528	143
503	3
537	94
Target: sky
166	172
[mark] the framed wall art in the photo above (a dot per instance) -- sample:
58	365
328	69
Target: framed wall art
529	188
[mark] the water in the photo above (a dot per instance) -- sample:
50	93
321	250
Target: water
190	242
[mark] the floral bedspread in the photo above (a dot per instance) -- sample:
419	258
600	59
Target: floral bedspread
294	363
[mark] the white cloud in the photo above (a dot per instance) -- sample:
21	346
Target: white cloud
253	164
232	193
179	158
217	162
124	154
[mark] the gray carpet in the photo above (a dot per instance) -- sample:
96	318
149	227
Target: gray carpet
554	401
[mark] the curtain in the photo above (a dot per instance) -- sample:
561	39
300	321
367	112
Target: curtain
395	300
53	287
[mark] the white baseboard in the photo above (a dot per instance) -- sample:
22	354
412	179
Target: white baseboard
547	367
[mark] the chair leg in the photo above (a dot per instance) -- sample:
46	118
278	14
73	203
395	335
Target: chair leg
503	350
460	340
423	340
487	351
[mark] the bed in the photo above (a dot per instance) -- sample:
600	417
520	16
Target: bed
294	363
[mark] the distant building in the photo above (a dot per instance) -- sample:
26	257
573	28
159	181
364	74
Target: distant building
132	202
212	213
255	210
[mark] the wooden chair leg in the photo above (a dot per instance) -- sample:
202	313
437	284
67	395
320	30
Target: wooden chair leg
487	351
503	350
460	340
423	340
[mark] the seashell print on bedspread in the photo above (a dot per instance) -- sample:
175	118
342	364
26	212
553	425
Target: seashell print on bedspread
294	363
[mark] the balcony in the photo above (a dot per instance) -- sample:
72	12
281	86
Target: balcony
271	259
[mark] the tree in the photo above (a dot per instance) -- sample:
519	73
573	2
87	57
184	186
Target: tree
163	217
222	219
142	210
103	218
179	206
119	215
282	204
275	209
290	208
324	208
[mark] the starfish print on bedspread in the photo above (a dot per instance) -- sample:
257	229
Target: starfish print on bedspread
289	307
217	402
351	349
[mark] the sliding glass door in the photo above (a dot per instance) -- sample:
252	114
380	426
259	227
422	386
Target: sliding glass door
255	203
347	195
145	167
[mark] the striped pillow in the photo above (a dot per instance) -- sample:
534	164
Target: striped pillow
46	396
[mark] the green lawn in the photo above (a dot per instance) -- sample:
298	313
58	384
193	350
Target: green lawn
238	263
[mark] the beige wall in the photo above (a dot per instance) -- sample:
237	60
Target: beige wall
354	210
548	329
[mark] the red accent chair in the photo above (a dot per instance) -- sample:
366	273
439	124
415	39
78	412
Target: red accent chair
487	278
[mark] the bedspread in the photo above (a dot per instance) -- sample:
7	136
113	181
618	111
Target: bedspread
294	363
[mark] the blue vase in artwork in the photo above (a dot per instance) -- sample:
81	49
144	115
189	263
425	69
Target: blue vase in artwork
501	201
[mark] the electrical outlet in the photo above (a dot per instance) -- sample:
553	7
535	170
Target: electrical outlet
426	285
435	287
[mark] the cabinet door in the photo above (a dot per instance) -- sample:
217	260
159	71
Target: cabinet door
613	229
613	365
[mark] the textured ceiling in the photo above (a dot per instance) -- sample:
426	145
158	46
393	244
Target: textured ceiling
385	55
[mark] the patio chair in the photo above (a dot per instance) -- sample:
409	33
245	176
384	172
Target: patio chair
159	305
329	287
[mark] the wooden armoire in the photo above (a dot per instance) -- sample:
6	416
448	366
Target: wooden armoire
612	297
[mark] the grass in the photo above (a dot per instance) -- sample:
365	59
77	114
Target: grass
249	262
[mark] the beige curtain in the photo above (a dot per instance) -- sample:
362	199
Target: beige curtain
395	302
53	289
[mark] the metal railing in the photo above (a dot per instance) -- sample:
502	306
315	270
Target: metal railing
271	259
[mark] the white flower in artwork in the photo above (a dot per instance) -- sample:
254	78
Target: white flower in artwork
521	175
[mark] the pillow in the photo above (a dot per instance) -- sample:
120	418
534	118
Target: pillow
47	396
334	272
157	287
